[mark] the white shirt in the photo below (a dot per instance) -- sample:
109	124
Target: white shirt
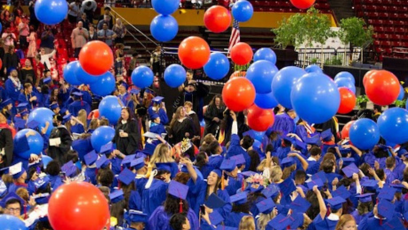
45	59
74	9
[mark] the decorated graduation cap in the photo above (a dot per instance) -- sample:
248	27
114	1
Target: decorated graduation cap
364	198
102	163
214	202
16	171
41	183
116	196
387	193
239	198
228	165
266	206
127	160
158	99
326	135
386	209
138	163
70	169
11	196
90	158
21	107
47	80
126	176
280	222
336	203
135	216
350	170
341	192
54	106
271	191
107	149
215	218
300	204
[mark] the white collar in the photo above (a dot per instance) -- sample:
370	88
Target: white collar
311	159
333	217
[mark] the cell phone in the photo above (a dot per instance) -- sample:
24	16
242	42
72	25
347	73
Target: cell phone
202	209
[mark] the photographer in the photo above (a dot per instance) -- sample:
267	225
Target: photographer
9	38
47	40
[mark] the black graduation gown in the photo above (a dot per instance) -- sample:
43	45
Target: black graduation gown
6	143
212	112
58	153
128	145
179	129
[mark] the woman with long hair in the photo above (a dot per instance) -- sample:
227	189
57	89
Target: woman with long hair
127	135
346	222
180	127
247	223
214	115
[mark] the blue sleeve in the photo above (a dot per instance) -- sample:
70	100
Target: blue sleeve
135	202
158	219
163	117
22	98
206	226
301	132
11	91
227	207
192	217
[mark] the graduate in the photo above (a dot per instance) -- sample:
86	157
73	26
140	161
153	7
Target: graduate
78	104
135	220
19	175
158	107
304	130
55	108
60	132
284	121
13	205
13	86
6	108
124	96
327	138
28	96
115	159
155	125
90	170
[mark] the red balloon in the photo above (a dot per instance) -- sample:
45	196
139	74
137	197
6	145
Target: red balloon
217	19
382	87
346	129
194	52
241	53
1	63
238	94
302	4
260	119
347	100
96	57
78	206
367	76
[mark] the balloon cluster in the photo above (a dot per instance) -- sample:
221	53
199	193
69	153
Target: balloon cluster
347	89
164	27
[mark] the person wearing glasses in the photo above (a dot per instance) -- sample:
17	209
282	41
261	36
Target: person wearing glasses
12	204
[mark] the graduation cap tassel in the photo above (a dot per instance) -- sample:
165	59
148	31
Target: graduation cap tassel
25	212
328	211
181	206
222	181
380	222
243	185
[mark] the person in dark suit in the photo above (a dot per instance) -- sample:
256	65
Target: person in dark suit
6	142
127	134
58	151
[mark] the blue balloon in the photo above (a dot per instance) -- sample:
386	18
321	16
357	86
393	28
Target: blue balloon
313	68
401	94
393	125
283	82
261	73
164	28
35	142
110	108
9	222
266	54
70	71
364	134
1	27
42	115
217	67
104	85
165	7
345	82
266	101
242	11
347	75
175	75
315	98
142	77
102	136
84	77
45	160
51	12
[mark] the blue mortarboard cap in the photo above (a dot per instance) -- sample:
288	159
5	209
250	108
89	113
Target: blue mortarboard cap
248	173
164	166
298	220
54	106
215	218
287	162
214	202
342	192
69	169
217	171
271	191
149	149
19	123
32	124
287	186
266	206
5	103
11	196
90	158
41	183
257	145
239	159
239	198
387	193
47	80
77	94
386	209
158	99
16	170
398	187
178	189
350	170
287	138
116	196
138	163
107	149
300	204
344	151
320	175
367	197
315	140
250	133
127	160
326	135
66	118
102	163
134	91
125	85
300	145
228	165
126	176
135	216
153	116
347	161
63	110
21	107
23	113
280	222
370	184
336	202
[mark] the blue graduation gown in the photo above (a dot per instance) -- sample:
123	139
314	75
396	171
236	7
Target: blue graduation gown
116	165
140	185
313	167
3	94
75	106
284	124
55	181
124	98
301	132
25	98
358	217
82	146
234	184
86	96
135	202
162	114
236	149
325	147
13	91
77	128
282	152
215	161
153	197
13	187
157	128
159	220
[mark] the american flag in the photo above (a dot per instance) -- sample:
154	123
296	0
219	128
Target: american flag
235	35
